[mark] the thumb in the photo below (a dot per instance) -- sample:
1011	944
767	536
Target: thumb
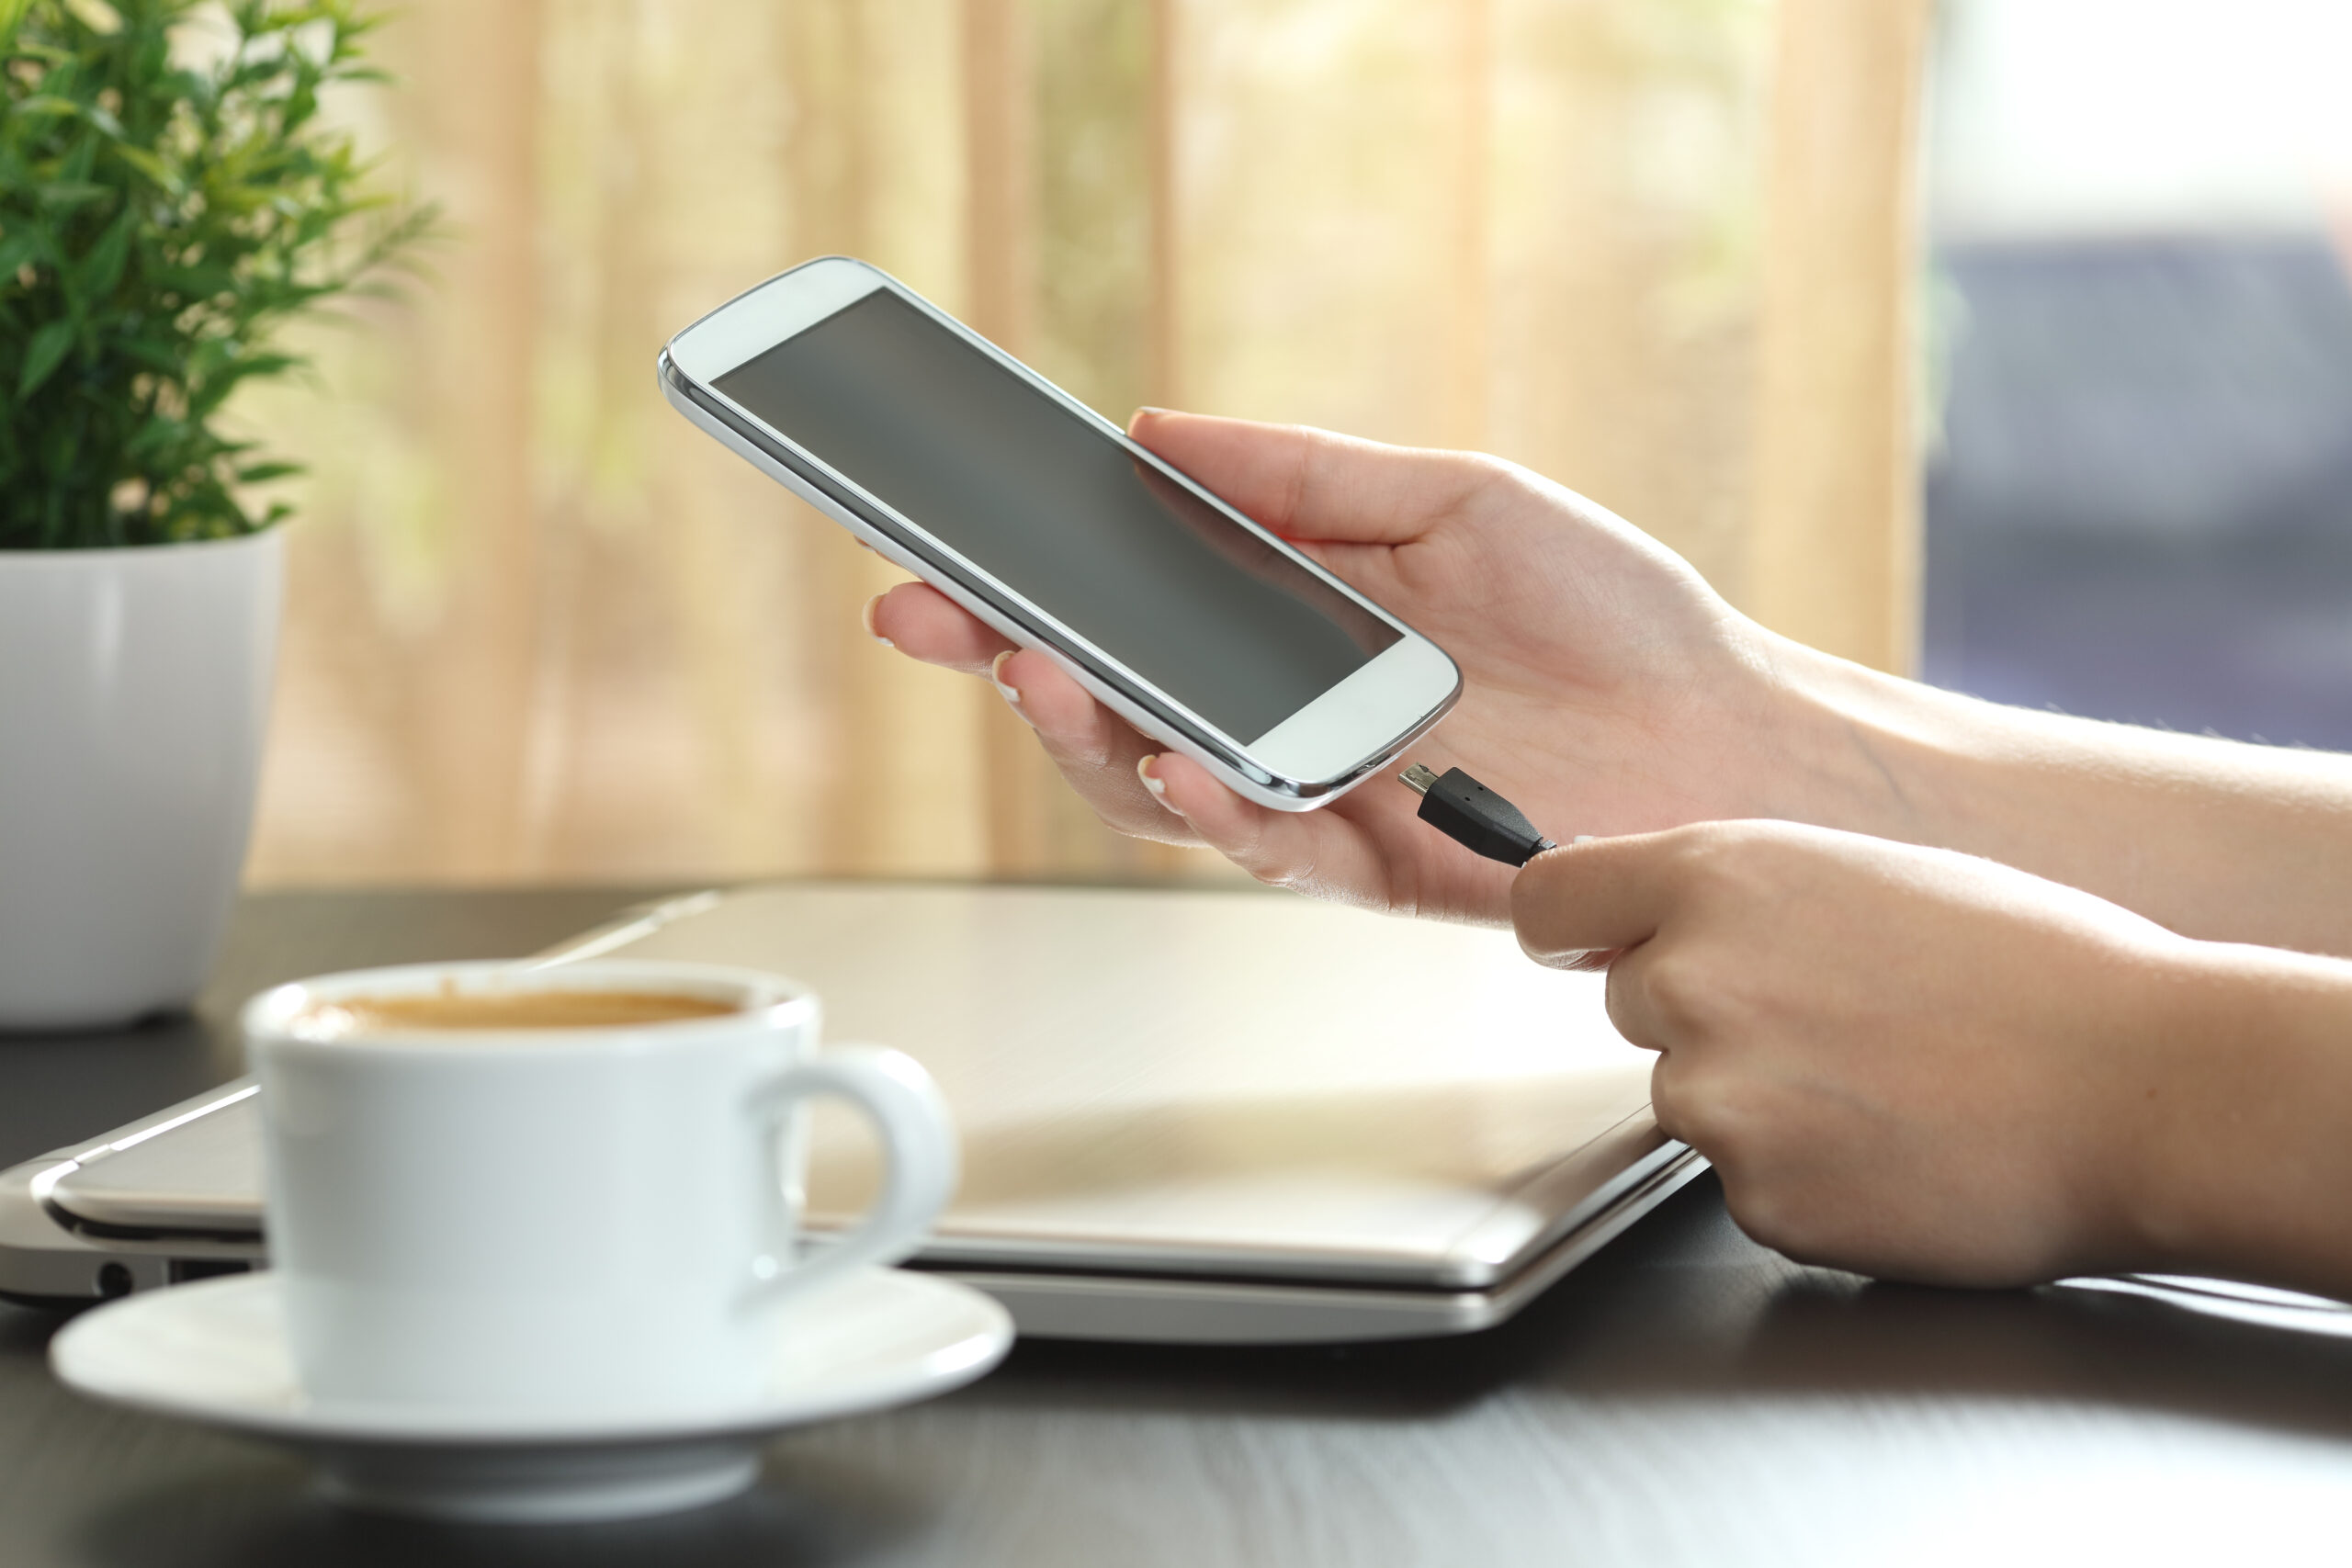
1310	484
1597	896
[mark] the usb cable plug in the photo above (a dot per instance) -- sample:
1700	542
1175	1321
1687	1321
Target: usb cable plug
1474	815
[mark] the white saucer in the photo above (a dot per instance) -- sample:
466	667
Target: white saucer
215	1352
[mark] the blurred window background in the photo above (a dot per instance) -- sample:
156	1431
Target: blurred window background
2139	498
1663	251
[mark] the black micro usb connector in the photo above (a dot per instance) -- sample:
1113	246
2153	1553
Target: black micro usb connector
1474	815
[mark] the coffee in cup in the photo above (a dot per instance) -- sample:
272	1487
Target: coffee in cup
448	1007
563	1192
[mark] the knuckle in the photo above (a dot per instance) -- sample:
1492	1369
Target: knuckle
1082	751
1690	1107
1279	874
1626	998
1668	1103
1484	475
1143	818
1621	1016
1264	861
1768	1217
1617	1007
1675	992
1733	864
1706	849
1482	471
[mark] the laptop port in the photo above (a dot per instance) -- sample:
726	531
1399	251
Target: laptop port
180	1270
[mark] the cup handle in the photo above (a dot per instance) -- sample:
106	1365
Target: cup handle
918	1163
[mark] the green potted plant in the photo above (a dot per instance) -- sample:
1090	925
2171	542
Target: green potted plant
169	199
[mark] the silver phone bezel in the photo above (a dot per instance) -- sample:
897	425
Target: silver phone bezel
1326	746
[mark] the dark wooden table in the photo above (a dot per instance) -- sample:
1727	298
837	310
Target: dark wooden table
1687	1397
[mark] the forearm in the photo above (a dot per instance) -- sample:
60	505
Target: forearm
2236	1105
2212	838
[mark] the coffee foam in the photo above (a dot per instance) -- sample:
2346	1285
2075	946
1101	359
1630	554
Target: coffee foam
450	1009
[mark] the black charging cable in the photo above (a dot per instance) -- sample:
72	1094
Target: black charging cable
1474	815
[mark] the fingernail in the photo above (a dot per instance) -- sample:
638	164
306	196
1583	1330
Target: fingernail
866	615
1005	689
1143	412
1153	781
1581	839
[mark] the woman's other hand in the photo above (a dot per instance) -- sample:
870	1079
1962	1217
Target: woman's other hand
1905	1062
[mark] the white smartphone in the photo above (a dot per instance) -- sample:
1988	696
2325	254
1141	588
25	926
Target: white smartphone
1206	631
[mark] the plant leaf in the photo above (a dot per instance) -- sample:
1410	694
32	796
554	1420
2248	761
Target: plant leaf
42	356
70	193
177	214
149	165
102	270
16	251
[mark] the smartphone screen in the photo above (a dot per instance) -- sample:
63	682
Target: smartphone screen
1058	511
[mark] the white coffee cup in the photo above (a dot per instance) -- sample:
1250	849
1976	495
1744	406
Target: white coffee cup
564	1222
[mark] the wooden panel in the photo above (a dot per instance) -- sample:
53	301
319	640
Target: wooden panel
1470	281
540	628
1834	544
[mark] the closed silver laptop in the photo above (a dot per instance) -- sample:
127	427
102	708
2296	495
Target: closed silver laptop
1187	1116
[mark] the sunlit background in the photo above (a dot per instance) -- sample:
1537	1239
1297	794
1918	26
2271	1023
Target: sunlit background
1665	250
2141	507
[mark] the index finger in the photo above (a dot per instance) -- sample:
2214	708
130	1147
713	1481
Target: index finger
922	623
1597	896
1311	484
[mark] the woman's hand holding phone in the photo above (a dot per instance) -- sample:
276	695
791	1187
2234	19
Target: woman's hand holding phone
1607	689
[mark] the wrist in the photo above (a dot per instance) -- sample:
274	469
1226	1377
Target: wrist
1854	748
2232	1158
2150	1159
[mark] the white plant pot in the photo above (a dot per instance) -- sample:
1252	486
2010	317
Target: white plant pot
135	691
